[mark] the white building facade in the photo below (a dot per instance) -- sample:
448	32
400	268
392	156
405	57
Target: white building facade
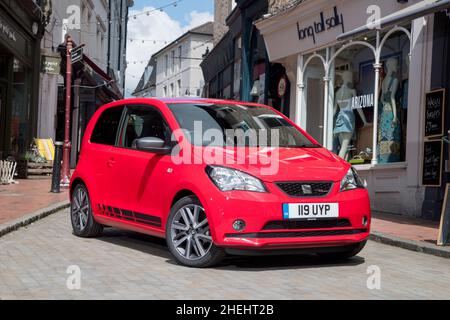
386	67
178	71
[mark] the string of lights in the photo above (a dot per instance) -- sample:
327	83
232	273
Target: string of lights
135	61
133	16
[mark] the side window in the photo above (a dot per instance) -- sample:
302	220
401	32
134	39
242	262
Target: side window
141	122
106	128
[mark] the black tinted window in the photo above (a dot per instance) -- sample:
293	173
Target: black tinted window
142	122
105	130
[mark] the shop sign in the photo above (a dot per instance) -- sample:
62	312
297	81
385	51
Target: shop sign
324	24
434	113
7	31
51	65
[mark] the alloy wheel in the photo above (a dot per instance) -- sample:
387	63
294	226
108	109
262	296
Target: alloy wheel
80	209
190	233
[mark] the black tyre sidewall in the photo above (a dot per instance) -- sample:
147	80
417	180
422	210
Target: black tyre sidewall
92	227
215	254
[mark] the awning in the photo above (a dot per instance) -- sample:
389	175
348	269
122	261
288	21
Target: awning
412	12
99	75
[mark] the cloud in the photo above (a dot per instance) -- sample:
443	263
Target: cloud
158	26
195	18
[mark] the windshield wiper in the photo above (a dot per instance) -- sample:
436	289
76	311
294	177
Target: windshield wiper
309	145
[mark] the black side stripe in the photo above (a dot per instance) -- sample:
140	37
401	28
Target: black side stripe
128	215
147	217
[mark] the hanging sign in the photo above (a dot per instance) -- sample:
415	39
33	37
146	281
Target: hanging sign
76	55
282	87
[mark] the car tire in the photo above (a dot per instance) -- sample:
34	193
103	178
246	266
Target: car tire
348	253
174	237
83	222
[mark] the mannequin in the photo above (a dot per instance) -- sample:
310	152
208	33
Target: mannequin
389	135
345	122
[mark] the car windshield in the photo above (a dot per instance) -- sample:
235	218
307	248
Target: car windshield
237	125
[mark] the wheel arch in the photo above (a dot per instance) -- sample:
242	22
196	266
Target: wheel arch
75	183
190	190
182	194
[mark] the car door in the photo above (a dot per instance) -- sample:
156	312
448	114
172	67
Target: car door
137	173
97	152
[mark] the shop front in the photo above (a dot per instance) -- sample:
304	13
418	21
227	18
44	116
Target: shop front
19	76
360	87
92	88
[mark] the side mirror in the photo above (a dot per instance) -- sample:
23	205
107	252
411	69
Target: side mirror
153	145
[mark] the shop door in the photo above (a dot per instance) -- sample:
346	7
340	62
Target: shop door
314	102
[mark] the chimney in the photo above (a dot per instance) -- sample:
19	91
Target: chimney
222	9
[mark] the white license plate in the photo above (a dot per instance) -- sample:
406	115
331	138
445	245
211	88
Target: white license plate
310	210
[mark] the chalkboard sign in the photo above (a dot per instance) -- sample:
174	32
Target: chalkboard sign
432	163
444	227
434	113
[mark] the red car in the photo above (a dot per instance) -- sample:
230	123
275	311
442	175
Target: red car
216	177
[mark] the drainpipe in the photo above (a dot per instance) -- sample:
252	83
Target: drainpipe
108	62
246	63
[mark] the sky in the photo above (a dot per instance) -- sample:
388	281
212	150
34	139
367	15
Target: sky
158	29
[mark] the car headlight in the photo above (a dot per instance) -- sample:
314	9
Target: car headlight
352	181
227	179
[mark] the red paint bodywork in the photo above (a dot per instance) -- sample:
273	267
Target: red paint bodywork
148	183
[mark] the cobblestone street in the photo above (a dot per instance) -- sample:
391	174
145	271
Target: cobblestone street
122	265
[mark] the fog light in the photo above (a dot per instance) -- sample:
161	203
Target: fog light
239	225
365	220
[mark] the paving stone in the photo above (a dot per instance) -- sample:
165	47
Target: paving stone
123	265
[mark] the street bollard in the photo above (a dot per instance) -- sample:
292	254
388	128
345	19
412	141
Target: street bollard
56	175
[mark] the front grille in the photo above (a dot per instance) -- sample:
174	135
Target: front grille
307	224
305	189
300	234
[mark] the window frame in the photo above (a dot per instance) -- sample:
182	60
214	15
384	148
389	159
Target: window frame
123	124
117	130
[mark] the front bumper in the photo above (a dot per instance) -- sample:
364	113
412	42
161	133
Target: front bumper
259	210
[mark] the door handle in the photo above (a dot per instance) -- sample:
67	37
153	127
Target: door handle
111	162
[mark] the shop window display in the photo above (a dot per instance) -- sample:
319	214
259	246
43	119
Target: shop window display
353	82
344	111
352	89
389	131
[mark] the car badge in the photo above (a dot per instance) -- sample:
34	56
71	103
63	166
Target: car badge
307	189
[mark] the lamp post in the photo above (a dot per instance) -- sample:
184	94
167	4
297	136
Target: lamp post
65	170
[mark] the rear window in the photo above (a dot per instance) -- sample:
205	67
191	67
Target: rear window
106	128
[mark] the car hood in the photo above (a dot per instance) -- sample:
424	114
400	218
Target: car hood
281	164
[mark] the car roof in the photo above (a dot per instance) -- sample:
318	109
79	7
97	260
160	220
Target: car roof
187	100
